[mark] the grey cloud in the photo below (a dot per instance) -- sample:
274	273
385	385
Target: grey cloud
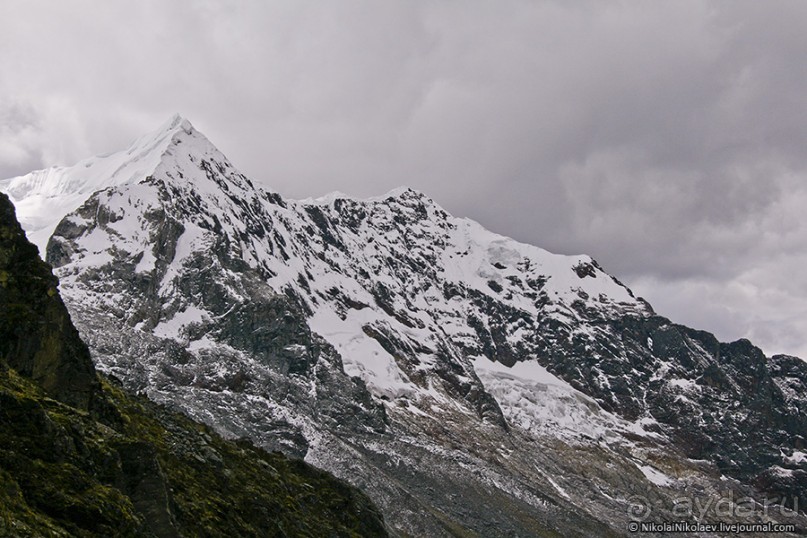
19	126
665	139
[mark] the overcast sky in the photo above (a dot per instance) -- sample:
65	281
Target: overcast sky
666	139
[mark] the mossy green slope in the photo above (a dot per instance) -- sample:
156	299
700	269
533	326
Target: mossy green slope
147	471
81	457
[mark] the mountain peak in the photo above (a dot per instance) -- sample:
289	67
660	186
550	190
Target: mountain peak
176	127
404	192
159	140
177	121
44	197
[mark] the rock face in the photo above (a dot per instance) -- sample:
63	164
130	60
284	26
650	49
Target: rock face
470	383
726	403
128	467
37	337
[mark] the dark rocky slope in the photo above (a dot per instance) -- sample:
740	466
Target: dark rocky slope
81	457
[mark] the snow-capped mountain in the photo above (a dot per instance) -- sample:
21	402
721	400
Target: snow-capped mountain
467	381
44	197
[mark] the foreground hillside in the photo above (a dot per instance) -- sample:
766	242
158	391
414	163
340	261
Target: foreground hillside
81	457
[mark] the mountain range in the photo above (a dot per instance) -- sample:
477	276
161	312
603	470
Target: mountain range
79	456
470	384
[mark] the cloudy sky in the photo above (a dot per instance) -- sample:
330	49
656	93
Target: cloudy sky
666	139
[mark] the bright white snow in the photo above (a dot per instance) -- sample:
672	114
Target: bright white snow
535	400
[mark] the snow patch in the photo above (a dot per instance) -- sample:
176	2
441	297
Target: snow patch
172	328
362	355
655	476
535	400
796	458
